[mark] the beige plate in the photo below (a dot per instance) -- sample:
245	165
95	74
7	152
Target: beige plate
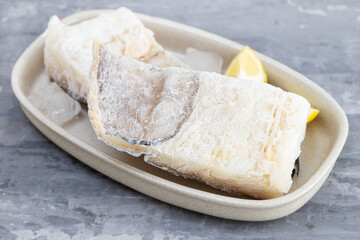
324	139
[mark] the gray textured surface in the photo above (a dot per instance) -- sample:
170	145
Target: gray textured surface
47	194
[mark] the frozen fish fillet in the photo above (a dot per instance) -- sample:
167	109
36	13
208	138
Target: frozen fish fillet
241	136
68	49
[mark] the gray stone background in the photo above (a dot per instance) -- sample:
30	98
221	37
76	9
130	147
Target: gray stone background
47	194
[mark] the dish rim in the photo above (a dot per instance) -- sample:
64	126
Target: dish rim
322	171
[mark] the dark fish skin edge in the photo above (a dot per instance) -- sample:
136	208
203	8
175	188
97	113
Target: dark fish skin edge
296	169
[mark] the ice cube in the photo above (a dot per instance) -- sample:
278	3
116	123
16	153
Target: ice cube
203	61
54	103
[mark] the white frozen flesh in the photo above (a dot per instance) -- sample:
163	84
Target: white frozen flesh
241	136
68	49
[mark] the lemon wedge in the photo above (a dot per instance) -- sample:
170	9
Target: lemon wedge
313	113
247	65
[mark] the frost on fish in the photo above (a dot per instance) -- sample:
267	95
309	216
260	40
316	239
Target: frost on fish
140	103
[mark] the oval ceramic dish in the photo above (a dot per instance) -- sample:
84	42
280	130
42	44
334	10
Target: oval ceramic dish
325	136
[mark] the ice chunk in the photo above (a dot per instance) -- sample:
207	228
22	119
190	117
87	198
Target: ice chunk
140	103
203	61
165	59
54	103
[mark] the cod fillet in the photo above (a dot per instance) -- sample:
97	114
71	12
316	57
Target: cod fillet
68	49
241	136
